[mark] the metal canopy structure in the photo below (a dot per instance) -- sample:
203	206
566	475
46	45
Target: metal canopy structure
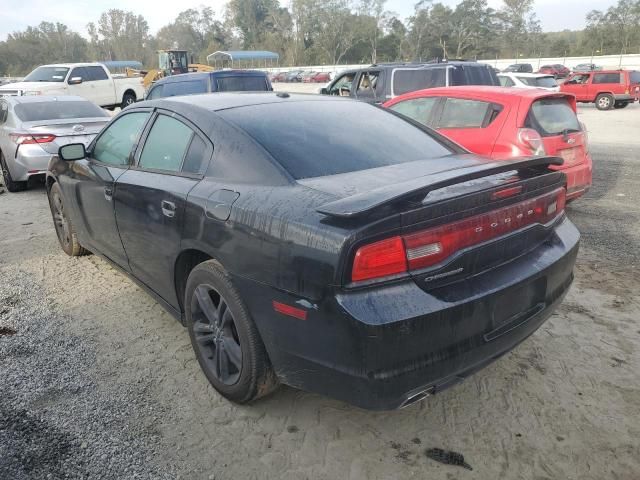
243	58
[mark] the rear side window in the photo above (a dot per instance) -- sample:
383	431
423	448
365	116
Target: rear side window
191	87
166	145
116	142
195	161
473	74
418	109
318	138
416	79
463	113
606	78
96	73
59	110
634	77
241	84
552	116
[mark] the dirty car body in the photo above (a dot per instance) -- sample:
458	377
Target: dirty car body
377	270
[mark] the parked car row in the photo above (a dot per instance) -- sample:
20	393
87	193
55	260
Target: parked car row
306	76
557	70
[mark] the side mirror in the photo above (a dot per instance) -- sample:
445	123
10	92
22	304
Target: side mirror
72	152
75	81
324	91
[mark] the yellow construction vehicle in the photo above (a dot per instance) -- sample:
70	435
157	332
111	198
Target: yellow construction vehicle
170	62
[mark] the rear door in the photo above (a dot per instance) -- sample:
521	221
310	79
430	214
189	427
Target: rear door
474	124
610	82
150	198
634	84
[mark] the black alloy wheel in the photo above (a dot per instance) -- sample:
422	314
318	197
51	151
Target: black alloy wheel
216	334
64	228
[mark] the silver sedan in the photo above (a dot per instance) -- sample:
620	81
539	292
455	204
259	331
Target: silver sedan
32	128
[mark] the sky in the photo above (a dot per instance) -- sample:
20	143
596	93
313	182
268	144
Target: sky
555	15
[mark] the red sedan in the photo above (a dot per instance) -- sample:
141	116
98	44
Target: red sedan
557	70
320	77
503	123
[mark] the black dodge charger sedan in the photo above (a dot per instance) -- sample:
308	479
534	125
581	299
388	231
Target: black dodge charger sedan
319	242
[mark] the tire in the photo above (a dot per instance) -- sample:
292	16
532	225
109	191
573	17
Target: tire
226	341
604	101
64	228
11	185
619	105
128	99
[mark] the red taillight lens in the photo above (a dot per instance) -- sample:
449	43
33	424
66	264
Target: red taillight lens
430	247
27	138
531	140
379	259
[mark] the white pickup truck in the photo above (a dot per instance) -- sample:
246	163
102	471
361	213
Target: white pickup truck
92	81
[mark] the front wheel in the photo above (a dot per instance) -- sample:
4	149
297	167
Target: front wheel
128	99
604	101
11	185
225	339
64	228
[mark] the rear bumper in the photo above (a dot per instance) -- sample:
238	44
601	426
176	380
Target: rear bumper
382	348
30	160
579	178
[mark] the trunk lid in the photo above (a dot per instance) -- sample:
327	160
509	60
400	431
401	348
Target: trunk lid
79	130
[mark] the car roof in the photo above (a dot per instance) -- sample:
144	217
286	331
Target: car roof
524	75
44	98
226	100
486	92
72	65
218	73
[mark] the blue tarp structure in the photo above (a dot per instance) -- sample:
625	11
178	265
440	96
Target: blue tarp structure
121	64
247	58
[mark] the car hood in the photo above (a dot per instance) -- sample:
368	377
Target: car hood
347	184
31	85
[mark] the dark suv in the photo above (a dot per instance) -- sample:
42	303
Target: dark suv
378	83
519	68
206	82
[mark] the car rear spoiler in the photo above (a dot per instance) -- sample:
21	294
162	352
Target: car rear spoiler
364	203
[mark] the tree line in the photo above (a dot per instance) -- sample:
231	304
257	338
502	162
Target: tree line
331	32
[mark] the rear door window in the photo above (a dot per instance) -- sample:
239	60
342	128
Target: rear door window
464	113
551	117
368	84
243	83
409	80
166	145
600	78
418	109
191	87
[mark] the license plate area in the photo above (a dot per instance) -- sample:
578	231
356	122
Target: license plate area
515	307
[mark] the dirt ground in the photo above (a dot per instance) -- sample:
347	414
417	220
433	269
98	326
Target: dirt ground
563	405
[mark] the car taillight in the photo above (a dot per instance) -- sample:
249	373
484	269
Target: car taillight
404	253
531	140
28	138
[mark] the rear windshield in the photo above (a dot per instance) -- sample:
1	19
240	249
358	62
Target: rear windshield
552	116
410	80
191	87
473	75
241	84
546	82
314	139
47	74
60	110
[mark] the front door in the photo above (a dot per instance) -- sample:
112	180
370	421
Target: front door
102	89
369	87
150	200
92	184
578	84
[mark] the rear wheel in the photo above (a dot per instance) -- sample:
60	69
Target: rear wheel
64	228
604	101
128	99
619	105
225	339
11	185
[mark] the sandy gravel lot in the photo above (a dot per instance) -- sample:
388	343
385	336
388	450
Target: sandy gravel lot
99	382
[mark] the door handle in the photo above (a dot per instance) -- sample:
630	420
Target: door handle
168	209
108	193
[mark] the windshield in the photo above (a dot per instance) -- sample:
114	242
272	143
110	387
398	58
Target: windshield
552	116
58	110
47	74
314	139
545	82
